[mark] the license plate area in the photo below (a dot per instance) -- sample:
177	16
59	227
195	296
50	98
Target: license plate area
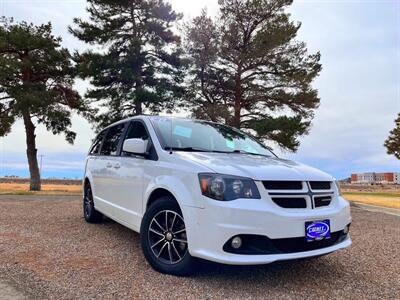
318	230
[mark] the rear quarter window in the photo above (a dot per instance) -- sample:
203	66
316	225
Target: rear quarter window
112	139
94	149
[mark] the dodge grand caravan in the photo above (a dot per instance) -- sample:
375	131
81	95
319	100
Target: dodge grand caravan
201	190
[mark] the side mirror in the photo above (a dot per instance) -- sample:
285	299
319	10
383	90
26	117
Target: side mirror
135	146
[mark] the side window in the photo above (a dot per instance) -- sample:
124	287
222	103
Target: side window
137	131
110	144
94	149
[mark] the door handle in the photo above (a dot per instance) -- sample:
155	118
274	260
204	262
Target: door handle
117	166
108	165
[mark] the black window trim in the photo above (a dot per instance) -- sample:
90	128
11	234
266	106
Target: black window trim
119	146
130	122
101	143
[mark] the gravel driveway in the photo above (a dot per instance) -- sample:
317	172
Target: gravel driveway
48	251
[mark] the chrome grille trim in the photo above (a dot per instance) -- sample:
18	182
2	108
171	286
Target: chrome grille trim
314	198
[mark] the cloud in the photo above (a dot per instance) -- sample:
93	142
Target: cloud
359	83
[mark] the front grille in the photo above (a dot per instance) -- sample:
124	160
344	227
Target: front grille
290	202
259	245
296	194
322	201
282	185
320	185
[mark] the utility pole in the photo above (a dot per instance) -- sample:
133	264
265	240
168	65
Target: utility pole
40	170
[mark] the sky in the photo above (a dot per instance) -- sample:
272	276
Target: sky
359	85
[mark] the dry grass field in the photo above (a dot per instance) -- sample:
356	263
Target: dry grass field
47	189
391	200
378	195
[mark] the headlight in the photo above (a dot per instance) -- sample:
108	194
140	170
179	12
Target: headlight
338	188
226	187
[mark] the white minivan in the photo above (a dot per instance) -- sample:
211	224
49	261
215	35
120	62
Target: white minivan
201	190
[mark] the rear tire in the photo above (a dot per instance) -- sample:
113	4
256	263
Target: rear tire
163	238
89	212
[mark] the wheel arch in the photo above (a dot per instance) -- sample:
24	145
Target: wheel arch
183	195
86	181
183	191
157	194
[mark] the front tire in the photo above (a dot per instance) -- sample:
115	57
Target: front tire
164	240
89	212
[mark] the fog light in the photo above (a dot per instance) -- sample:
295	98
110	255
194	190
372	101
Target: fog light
236	242
346	229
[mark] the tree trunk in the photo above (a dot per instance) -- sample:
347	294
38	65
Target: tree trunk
138	107
238	99
138	86
31	152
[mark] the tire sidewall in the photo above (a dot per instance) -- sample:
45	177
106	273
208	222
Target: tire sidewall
87	190
94	216
187	265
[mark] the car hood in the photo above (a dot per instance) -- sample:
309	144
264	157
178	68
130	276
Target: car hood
256	167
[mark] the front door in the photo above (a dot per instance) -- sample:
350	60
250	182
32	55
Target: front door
132	178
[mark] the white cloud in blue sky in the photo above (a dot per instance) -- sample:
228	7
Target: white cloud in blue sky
359	85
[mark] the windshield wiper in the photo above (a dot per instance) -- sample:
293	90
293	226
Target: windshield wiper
194	149
251	153
187	149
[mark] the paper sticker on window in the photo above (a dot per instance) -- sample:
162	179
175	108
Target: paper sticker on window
230	144
182	131
250	149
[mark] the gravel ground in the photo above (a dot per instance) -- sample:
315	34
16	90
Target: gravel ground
9	292
47	251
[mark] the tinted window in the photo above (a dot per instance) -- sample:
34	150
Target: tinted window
137	131
94	149
110	144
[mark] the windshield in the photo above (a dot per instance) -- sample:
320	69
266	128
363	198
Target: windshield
194	135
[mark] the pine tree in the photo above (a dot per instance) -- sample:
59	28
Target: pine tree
392	143
138	67
36	78
248	70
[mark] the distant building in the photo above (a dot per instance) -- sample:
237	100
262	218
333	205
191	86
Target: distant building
379	177
376	178
396	178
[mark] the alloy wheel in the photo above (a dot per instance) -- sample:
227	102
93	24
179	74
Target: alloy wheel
167	237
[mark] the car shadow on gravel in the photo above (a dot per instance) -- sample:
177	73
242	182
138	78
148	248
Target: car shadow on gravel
280	268
284	274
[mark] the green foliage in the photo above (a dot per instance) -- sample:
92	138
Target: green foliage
392	143
139	64
248	70
36	77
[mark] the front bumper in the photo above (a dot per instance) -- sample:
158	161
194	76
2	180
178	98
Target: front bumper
211	227
239	259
